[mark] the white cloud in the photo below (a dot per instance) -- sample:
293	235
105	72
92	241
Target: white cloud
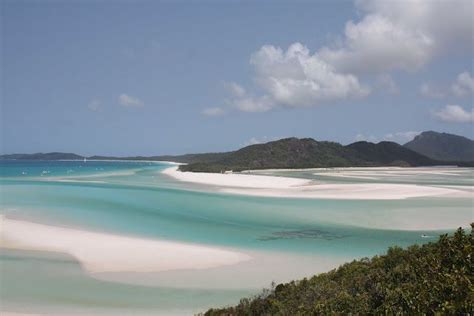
258	140
94	105
129	101
216	111
427	90
455	114
235	89
445	21
401	35
401	137
377	44
296	78
368	138
464	85
253	104
242	101
389	36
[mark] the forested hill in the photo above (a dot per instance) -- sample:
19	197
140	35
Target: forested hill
309	153
443	146
433	279
284	153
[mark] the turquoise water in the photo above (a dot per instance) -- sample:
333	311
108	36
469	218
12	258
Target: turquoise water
35	282
429	176
134	198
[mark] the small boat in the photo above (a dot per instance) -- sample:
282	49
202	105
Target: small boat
85	159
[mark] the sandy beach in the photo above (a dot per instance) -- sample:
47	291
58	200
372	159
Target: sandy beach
273	186
236	179
101	252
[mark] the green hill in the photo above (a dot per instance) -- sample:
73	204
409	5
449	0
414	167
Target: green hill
389	153
284	153
443	146
309	153
432	279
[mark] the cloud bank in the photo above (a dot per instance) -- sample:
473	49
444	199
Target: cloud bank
401	35
390	36
455	114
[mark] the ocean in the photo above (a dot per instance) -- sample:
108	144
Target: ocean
287	238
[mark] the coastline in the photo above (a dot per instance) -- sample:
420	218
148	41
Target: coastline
109	160
286	187
241	180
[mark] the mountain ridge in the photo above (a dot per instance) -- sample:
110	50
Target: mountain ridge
309	153
289	152
442	146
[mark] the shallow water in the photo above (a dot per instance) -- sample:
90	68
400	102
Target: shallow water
39	282
134	198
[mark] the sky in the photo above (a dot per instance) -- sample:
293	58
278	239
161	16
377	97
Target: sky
172	77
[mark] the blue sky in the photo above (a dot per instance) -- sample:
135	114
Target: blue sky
163	77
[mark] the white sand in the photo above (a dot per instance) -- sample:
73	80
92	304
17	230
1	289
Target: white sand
236	179
394	172
100	252
265	266
272	186
359	191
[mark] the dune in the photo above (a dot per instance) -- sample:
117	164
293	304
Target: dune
101	252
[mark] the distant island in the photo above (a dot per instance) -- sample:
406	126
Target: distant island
427	149
432	279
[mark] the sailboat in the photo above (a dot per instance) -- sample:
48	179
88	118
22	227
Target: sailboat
85	159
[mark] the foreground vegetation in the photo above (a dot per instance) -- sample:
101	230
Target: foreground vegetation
432	279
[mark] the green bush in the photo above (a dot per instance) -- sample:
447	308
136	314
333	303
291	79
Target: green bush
432	279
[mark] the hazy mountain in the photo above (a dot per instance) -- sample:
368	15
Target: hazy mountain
43	156
443	146
188	158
